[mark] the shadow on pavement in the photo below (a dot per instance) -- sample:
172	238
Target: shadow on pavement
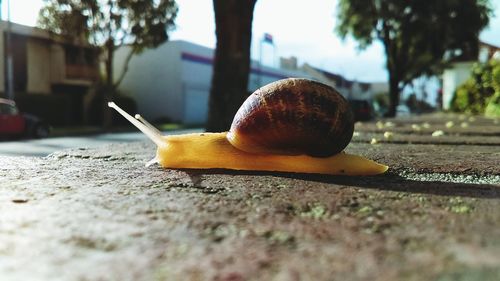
388	182
392	182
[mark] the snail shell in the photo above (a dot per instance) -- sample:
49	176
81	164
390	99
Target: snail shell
293	116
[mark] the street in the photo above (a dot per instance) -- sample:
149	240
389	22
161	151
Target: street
44	147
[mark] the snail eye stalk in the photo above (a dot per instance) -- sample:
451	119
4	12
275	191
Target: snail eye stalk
149	125
153	134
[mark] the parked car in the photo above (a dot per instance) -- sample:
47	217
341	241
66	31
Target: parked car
362	110
16	124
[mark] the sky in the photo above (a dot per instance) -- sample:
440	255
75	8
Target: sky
300	28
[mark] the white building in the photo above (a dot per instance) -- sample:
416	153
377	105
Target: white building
453	77
173	81
354	90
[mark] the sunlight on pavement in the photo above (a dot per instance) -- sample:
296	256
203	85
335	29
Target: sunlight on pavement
44	147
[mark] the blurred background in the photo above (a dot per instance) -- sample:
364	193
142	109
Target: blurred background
62	60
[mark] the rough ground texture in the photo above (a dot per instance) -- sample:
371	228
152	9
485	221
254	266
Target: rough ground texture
99	214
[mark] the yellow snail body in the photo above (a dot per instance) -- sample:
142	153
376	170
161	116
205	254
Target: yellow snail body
291	125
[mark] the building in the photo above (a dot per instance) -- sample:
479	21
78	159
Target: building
379	87
348	88
460	71
172	82
44	64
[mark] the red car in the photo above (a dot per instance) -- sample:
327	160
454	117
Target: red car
16	124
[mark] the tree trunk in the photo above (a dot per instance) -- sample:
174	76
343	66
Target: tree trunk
108	88
233	21
391	53
393	94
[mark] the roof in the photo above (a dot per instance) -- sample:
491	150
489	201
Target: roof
491	46
35	32
340	81
492	50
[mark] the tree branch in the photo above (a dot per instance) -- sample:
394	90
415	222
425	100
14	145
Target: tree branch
125	67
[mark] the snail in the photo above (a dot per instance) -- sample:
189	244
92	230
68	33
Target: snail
291	125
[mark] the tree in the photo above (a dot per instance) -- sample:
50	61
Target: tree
419	37
233	29
108	25
480	93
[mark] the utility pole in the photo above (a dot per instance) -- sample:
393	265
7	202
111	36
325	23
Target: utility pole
259	83
10	70
268	38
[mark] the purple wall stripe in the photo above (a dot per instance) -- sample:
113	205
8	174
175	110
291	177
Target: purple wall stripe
207	60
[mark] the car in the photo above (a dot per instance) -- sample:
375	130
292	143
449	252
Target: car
361	109
14	124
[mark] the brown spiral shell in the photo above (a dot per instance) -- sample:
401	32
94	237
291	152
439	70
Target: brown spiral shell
293	116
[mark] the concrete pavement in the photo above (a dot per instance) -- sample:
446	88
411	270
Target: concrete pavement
44	147
99	214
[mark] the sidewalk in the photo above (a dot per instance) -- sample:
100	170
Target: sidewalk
99	214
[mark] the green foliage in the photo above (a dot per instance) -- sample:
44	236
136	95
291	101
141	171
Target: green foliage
480	94
110	24
419	37
142	24
493	107
495	75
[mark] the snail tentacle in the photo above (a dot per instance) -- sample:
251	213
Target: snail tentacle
149	125
154	136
